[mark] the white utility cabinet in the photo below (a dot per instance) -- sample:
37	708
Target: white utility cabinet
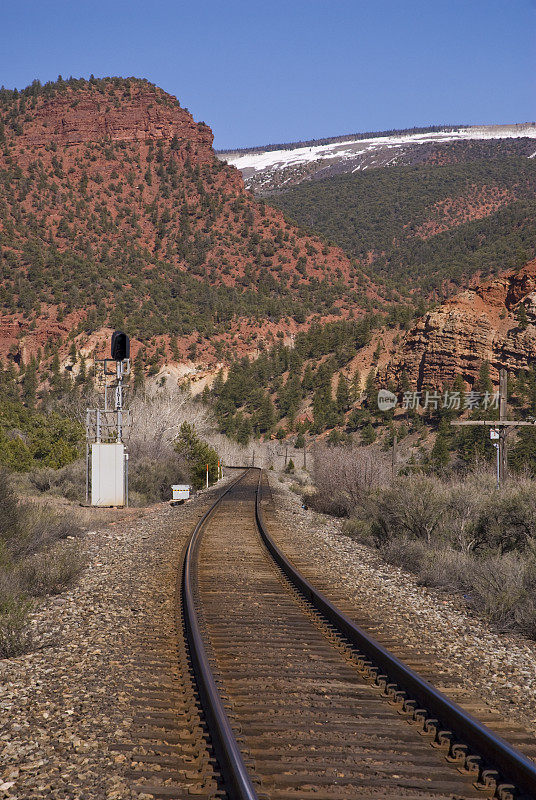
181	491
107	474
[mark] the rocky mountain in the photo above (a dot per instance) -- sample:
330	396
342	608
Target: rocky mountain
276	168
494	322
116	212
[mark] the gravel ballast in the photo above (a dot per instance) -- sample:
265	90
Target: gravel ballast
67	705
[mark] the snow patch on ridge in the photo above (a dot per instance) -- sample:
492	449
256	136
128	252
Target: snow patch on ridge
279	159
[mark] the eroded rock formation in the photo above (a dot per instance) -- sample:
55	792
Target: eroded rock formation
481	324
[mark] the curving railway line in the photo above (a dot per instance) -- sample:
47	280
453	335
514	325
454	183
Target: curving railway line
296	702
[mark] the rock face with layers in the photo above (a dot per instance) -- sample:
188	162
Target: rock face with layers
477	325
145	114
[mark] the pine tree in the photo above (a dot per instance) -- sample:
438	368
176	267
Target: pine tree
521	316
370	390
56	382
82	377
300	441
483	383
342	395
244	429
30	383
197	454
335	437
440	451
139	372
308	380
458	385
368	434
265	416
523	454
355	386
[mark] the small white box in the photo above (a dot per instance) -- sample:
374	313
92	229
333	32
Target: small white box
181	491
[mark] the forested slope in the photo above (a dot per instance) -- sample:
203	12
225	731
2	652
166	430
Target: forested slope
115	211
426	228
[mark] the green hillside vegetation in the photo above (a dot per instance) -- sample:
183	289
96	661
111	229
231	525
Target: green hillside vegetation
35	431
257	394
150	236
29	439
381	212
310	389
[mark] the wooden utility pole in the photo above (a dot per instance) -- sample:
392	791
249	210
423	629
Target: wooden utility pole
503	431
394	464
502	425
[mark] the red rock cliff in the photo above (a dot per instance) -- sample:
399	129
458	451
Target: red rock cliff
474	326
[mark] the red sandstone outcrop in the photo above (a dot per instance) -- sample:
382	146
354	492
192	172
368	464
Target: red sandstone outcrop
141	114
474	326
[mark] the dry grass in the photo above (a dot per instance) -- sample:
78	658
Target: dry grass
50	572
37	557
457	534
15	634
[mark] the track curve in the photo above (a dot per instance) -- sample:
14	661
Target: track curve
294	708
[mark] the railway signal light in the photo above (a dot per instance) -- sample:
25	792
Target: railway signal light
120	346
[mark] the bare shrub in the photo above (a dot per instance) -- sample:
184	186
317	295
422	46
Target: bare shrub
69	481
459	534
34	560
445	568
150	480
346	476
498	588
40	527
526	611
50	572
357	528
15	634
154	464
463	505
406	553
336	505
9	510
413	507
507	519
156	418
42	479
234	454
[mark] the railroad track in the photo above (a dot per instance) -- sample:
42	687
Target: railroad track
297	701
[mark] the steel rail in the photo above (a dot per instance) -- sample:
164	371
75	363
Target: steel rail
512	765
231	762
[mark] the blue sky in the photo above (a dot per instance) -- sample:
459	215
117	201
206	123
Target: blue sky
263	72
